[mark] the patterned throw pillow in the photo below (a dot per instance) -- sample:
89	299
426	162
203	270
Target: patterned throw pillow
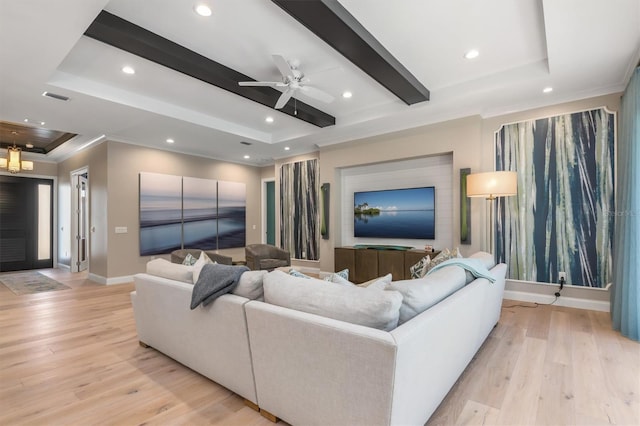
189	260
298	274
417	270
445	254
344	274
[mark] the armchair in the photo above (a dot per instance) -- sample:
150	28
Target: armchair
265	256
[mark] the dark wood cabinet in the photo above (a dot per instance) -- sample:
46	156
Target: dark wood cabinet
365	263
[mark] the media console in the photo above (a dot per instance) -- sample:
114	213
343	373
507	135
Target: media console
369	262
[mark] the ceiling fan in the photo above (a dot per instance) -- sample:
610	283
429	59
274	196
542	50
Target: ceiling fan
292	79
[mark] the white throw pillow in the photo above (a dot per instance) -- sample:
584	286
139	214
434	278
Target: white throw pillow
250	285
486	258
419	295
376	309
197	267
379	283
173	271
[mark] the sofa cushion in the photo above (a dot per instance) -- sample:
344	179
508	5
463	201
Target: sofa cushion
250	285
357	305
173	271
419	295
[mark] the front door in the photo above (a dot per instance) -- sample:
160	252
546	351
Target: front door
26	223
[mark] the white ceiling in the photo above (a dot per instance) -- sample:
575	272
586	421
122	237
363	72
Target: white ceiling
581	48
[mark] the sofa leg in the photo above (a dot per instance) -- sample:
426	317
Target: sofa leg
251	405
267	415
143	344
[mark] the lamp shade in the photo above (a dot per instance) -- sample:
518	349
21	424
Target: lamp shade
492	184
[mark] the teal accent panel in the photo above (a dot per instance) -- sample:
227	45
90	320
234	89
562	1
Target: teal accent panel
271	213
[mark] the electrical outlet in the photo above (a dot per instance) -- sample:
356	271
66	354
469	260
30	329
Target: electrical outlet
562	276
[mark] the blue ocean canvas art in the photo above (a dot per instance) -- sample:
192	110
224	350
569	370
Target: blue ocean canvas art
200	213
232	212
160	213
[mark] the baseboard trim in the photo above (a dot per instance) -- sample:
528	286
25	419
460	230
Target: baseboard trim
110	281
569	302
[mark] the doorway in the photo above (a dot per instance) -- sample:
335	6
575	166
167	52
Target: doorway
79	220
26	223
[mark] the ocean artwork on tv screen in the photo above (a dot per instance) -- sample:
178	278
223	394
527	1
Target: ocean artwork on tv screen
407	213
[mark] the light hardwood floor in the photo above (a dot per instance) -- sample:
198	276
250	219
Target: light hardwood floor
71	357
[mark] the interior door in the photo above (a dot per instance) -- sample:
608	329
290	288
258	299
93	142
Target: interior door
26	223
80	223
83	224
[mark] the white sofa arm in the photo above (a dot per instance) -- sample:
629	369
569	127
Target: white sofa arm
314	370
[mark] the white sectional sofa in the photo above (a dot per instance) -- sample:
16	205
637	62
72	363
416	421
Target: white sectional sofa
310	369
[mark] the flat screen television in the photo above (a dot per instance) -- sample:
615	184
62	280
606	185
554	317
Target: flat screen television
407	213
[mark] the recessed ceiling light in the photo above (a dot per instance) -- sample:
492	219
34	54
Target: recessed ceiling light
128	70
246	157
269	119
170	140
286	148
29	145
202	10
472	54
347	94
547	90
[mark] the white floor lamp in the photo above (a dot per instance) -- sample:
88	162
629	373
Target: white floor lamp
492	185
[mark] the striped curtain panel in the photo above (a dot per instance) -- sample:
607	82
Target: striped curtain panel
299	222
560	221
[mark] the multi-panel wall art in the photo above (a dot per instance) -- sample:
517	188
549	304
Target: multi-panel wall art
177	212
299	226
560	220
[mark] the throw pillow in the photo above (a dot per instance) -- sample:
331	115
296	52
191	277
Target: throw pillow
189	260
341	277
197	267
298	274
250	285
376	309
379	283
173	271
445	254
417	269
419	295
486	258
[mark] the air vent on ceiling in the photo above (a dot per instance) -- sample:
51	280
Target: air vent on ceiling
246	143
56	96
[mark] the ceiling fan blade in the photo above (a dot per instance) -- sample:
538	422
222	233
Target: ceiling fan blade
284	98
318	94
262	83
283	66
